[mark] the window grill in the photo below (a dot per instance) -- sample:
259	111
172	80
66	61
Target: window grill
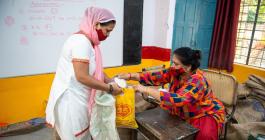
250	43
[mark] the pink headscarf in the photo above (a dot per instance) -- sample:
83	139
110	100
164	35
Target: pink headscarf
92	16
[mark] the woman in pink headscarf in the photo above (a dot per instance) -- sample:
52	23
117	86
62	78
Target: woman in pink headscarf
79	74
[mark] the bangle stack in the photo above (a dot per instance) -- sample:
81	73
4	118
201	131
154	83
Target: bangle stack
110	88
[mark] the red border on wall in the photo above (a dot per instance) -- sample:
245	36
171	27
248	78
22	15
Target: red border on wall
154	52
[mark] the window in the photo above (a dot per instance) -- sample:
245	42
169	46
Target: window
250	44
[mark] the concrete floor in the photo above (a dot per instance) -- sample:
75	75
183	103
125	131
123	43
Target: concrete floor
42	134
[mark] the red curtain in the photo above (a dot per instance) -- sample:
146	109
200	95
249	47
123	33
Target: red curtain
223	43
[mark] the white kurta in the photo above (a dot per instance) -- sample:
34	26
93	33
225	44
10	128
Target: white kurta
67	106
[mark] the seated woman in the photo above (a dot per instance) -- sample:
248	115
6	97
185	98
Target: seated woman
189	97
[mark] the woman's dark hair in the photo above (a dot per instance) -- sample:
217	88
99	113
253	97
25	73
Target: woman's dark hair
107	23
188	56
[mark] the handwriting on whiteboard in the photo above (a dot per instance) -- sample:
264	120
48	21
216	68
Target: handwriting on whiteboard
37	18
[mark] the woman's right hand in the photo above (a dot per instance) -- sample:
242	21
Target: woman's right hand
140	88
116	89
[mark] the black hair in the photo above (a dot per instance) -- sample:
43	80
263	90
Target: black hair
188	56
107	23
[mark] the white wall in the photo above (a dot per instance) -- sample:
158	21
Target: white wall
170	23
148	22
158	19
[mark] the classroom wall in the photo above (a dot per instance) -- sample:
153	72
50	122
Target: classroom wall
23	98
241	72
158	20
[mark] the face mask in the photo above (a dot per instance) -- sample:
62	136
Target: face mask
101	36
181	70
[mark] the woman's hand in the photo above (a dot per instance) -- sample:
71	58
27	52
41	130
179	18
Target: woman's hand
140	88
147	91
116	89
125	76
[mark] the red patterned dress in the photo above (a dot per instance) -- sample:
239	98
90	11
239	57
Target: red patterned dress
189	98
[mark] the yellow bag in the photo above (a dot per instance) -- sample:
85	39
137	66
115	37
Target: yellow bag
125	109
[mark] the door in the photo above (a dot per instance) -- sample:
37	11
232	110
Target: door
193	26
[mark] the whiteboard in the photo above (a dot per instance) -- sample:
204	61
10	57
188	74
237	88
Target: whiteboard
34	31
